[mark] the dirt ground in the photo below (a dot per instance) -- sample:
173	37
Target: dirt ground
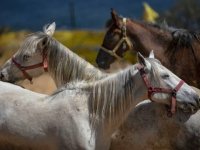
43	84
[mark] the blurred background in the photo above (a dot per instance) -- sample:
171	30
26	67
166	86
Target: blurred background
81	24
91	14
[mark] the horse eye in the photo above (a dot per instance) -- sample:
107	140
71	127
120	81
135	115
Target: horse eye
165	76
26	57
124	46
44	43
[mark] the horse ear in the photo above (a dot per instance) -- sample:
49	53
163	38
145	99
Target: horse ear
141	59
151	55
50	29
115	17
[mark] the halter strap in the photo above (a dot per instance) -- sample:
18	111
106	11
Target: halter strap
113	52
152	90
23	69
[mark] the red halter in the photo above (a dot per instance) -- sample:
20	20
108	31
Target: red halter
23	69
152	90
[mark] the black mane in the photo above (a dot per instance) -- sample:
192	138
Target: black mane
181	38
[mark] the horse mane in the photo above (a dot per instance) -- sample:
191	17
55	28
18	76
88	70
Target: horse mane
67	66
181	38
107	97
31	42
64	65
113	95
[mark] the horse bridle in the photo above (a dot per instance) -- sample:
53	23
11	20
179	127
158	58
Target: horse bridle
23	69
125	38
152	90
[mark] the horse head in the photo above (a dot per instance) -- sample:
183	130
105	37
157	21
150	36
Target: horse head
30	60
115	43
125	34
162	84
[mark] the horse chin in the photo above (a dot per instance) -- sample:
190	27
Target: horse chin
13	81
104	67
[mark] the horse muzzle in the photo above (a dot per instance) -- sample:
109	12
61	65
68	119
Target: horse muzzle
190	107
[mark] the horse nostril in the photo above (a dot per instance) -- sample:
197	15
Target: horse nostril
1	76
198	102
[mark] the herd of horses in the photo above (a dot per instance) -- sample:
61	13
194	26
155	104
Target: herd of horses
144	106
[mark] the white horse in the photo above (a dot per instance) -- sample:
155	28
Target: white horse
85	115
70	68
10	91
38	51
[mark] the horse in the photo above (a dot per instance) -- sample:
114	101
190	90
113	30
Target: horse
177	49
84	115
157	131
149	121
28	53
151	129
40	52
10	92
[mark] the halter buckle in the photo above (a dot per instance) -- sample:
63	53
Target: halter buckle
174	91
142	71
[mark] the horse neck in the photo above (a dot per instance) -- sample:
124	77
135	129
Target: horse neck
112	98
66	66
146	37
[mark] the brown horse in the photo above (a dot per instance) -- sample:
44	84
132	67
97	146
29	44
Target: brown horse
177	49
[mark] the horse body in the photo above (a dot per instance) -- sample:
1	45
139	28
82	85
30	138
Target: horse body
84	115
15	103
10	91
37	121
76	113
148	126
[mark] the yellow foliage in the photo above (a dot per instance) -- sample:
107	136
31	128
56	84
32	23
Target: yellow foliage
84	43
149	14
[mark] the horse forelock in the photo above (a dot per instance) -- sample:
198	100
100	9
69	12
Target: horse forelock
29	46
